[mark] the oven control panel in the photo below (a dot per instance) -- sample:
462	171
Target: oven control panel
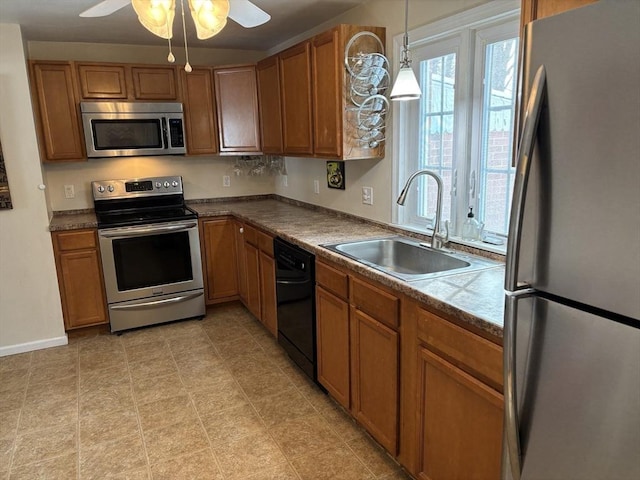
136	187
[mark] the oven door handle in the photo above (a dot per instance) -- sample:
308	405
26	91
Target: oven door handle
157	303
134	232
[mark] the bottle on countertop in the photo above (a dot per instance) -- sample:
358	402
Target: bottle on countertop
471	229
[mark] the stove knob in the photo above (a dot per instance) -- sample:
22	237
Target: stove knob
158	184
110	188
174	183
100	188
167	184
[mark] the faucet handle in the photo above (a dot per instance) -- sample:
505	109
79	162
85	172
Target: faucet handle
446	230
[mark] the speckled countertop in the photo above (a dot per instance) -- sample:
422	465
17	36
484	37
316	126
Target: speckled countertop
476	298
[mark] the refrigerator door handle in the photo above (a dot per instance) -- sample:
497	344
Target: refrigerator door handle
529	129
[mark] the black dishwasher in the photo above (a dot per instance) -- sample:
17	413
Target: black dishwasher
295	293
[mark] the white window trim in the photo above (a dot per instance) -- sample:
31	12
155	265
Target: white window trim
500	10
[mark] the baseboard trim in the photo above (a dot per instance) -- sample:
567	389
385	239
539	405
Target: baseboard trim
30	346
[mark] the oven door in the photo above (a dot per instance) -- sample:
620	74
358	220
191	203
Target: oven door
150	260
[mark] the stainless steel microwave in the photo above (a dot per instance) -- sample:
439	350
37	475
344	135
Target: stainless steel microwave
125	129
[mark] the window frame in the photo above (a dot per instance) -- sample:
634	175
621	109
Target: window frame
451	30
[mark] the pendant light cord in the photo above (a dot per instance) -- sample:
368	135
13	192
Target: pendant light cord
187	66
405	62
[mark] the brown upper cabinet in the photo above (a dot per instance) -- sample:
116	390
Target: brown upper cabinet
56	103
268	74
104	81
237	108
317	118
199	107
534	9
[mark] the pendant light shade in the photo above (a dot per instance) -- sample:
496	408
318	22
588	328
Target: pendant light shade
406	85
209	16
156	16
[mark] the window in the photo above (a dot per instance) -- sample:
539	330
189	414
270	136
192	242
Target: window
462	127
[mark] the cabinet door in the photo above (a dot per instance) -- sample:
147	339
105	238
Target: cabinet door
154	83
241	263
459	423
268	293
200	123
327	72
59	120
270	110
252	258
237	106
220	260
332	331
534	9
374	378
102	81
295	88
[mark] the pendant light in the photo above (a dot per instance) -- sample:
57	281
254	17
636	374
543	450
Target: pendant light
406	86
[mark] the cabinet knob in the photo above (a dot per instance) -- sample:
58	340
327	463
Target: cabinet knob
241	230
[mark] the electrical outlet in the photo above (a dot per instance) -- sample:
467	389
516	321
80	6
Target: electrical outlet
285	181
367	195
316	187
226	181
69	191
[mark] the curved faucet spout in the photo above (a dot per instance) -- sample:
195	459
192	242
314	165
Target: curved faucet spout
439	238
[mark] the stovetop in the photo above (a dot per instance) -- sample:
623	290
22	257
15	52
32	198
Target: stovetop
140	201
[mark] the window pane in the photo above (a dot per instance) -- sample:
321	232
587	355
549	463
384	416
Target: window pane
496	173
437	79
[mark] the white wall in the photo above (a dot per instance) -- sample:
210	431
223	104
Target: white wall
30	310
377	174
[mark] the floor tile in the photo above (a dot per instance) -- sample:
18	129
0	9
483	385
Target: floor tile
303	436
193	466
147	352
15	362
282	406
108	399
64	467
167	411
336	463
373	456
56	389
106	459
7	446
245	456
227	425
43	415
39	445
63	354
103	378
188	343
48	372
157	368
266	384
14	379
12	399
174	440
95	429
100	360
278	472
152	389
226	394
9	423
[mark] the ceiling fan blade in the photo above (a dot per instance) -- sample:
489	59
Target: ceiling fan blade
247	14
104	8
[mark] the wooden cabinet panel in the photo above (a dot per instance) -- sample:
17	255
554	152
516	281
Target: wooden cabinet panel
237	106
252	258
327	96
200	122
58	115
80	278
295	88
268	308
219	259
102	81
241	261
332	330
333	280
268	74
374	378
534	9
376	302
154	83
459	423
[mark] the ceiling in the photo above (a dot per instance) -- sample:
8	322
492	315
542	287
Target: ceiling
58	21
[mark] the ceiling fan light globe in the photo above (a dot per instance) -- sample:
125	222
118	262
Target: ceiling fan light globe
208	16
156	16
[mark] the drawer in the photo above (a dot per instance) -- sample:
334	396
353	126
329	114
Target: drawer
472	353
75	240
265	243
379	304
333	280
251	235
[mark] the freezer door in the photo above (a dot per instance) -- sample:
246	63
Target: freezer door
581	224
578	394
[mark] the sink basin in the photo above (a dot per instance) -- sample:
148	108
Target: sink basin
407	259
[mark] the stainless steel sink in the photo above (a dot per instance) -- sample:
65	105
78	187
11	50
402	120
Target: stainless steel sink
407	259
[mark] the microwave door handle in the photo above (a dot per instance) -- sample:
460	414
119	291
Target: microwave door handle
165	140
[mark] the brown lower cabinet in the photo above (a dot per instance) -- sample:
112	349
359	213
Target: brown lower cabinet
218	250
77	257
257	268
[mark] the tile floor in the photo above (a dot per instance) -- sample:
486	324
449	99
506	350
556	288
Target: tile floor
211	399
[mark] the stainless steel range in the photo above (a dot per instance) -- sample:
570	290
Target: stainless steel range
150	251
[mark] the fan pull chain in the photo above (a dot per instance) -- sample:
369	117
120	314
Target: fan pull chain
187	66
170	57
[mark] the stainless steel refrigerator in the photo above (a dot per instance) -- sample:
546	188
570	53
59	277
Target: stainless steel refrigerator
572	316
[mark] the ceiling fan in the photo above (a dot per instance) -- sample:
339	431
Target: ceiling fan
243	12
209	16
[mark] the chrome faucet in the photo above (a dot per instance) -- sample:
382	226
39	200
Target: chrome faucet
439	238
